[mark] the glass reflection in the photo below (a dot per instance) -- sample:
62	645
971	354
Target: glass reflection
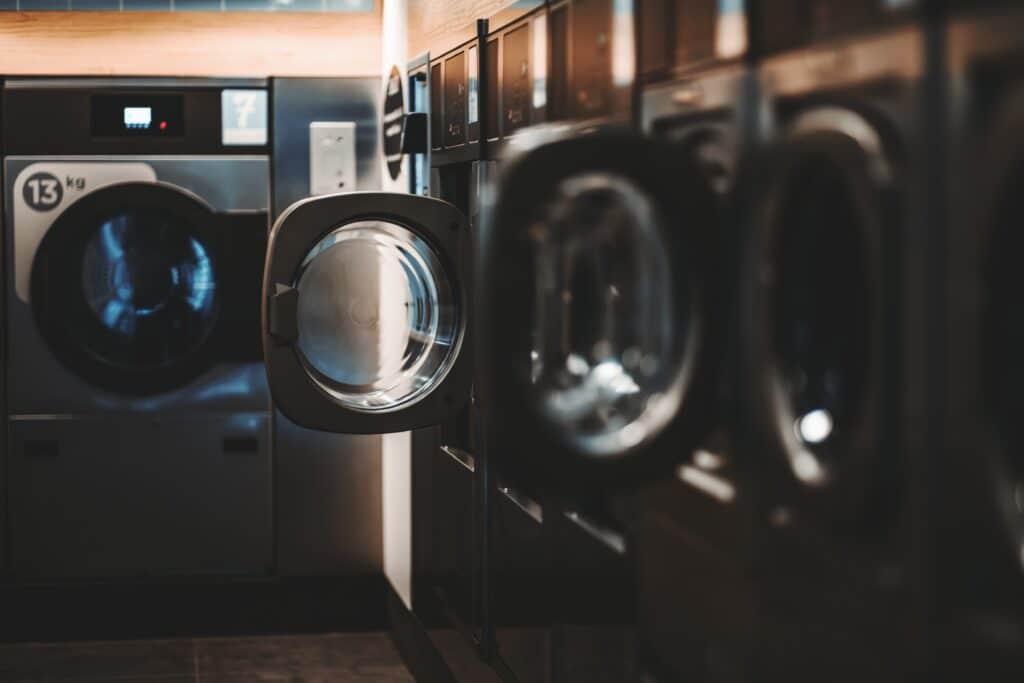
379	322
821	308
608	345
149	282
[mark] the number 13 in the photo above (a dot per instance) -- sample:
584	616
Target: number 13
44	191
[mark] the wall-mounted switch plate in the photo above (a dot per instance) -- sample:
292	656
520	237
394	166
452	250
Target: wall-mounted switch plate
332	157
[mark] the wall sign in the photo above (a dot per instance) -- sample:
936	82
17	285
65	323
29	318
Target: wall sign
393	123
243	117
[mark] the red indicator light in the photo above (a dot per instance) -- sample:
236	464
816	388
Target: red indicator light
163	125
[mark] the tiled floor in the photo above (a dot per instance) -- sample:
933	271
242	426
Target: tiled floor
334	658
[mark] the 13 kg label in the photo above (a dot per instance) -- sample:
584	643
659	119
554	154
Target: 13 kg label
42	191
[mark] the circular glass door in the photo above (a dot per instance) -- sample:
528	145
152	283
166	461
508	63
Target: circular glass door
609	341
819	316
127	296
379	320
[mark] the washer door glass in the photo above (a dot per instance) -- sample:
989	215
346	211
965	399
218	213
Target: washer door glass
149	283
609	344
379	322
822	324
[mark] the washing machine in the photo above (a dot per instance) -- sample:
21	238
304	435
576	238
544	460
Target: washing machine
832	343
699	92
978	500
135	236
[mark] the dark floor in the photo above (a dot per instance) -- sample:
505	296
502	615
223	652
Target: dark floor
334	658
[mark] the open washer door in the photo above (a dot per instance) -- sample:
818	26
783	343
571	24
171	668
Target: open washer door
600	311
365	315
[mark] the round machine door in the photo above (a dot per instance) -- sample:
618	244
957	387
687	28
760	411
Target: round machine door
365	317
813	302
600	311
125	287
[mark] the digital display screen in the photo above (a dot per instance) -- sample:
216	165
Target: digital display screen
138	115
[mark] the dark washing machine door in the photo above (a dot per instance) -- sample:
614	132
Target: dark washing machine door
128	287
600	311
818	315
365	318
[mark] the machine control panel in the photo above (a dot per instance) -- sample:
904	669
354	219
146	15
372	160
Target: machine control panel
138	114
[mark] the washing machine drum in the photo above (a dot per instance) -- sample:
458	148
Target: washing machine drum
598	279
364	358
812	319
126	288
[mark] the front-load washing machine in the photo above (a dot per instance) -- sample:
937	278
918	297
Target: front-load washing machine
135	237
978	498
832	343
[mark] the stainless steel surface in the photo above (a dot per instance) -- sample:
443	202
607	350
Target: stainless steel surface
103	484
226	183
297	102
104	496
379	320
327	491
481	178
897	54
327	486
714	90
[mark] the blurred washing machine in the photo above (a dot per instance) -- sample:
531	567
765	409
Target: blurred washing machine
595	372
597	279
699	93
560	573
135	236
831	339
978	503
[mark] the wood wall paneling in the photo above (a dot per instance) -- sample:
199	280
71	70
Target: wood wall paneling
238	44
437	26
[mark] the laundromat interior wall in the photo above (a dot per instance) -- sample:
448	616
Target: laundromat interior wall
202	44
396	463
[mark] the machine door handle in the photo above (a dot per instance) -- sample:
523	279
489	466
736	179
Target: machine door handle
460	456
283	323
528	505
613	540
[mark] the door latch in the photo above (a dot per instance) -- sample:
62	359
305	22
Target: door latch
283	314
